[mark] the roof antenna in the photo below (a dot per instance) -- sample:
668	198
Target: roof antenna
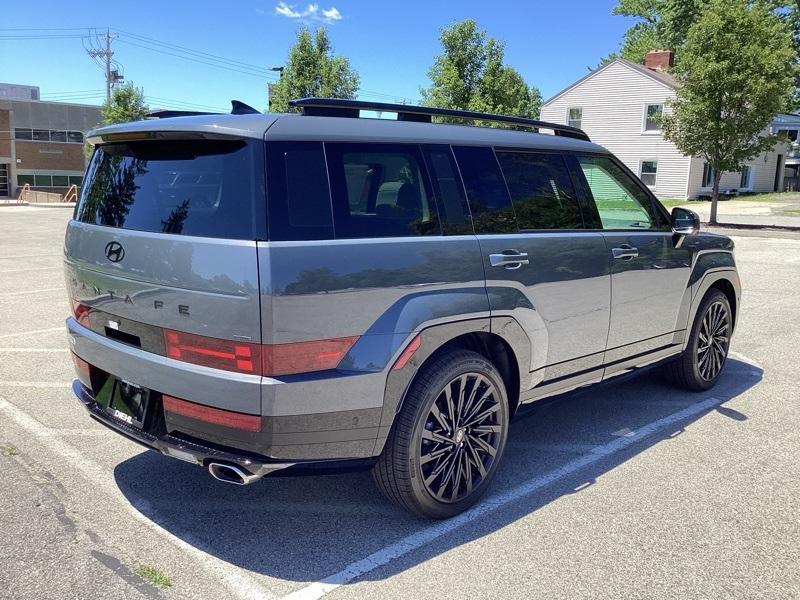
240	108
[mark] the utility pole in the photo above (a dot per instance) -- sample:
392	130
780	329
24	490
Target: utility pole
112	76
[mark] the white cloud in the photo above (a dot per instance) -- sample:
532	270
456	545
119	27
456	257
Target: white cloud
311	13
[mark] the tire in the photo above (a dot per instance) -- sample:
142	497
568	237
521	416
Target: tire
699	366
428	466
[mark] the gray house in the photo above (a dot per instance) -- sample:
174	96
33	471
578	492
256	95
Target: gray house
617	105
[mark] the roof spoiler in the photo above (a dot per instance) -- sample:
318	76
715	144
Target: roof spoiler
237	108
337	107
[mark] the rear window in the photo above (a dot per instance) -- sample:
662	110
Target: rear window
210	188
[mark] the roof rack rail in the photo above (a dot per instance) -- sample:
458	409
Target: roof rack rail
338	107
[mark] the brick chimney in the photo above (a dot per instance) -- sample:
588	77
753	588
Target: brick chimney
658	60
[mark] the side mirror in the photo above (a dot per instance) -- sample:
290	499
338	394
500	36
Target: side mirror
685	221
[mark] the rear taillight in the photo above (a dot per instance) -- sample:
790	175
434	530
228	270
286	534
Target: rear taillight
304	357
212	352
217	416
269	360
83	369
80	312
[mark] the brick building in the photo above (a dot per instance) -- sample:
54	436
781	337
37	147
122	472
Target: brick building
41	143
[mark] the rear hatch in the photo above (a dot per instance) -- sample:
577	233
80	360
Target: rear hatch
164	240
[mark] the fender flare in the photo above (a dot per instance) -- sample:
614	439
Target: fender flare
711	277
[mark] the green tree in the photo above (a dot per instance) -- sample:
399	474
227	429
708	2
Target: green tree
736	71
470	75
126	104
665	23
312	69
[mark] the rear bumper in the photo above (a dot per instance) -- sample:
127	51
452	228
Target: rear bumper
323	416
175	447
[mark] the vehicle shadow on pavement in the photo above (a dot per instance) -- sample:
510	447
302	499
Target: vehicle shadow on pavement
303	529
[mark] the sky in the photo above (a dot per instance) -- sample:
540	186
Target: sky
391	45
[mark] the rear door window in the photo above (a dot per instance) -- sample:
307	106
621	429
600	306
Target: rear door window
380	190
541	190
450	198
210	188
489	202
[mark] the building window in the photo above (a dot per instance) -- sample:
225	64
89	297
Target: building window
747	178
790	133
24	180
708	175
574	117
652	117
49	135
43	180
76	179
648	172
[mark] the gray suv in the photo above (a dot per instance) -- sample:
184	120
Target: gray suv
297	293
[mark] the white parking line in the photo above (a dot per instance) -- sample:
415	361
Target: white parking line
416	540
33	350
34	332
18	256
32	269
240	584
36	384
45	290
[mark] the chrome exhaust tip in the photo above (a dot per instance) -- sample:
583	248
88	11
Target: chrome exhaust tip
228	473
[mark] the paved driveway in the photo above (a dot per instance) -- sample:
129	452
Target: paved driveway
630	490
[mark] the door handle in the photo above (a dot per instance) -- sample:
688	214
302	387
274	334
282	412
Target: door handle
510	259
625	251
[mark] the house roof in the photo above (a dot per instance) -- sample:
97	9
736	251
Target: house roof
661	77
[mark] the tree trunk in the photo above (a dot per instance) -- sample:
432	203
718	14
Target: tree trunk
715	197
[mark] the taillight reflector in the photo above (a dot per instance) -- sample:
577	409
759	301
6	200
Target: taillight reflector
83	369
403	359
226	418
212	352
80	312
304	357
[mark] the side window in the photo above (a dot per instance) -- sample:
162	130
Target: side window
622	204
297	192
453	208
489	202
380	190
541	190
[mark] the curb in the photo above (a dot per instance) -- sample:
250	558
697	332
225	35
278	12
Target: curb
754	226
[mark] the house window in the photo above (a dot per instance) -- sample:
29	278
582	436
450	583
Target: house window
648	172
574	117
790	133
708	175
652	116
747	178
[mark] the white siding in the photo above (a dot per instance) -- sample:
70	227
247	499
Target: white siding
613	102
762	176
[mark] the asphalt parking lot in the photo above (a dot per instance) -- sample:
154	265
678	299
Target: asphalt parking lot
631	490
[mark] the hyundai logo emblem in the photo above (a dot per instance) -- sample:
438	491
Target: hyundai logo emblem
115	252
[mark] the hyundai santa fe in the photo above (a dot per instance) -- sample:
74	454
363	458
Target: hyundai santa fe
264	293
